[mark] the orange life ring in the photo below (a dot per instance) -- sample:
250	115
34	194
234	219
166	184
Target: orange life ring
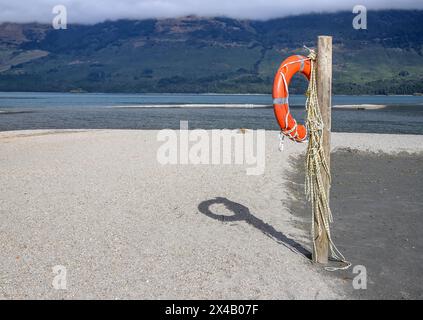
287	123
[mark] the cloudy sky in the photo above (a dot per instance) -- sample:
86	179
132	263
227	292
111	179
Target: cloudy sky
92	11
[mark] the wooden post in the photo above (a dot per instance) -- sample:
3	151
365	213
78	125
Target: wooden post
324	91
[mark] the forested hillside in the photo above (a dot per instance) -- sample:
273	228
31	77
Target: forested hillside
211	54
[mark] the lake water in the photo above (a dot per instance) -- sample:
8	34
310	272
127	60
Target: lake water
140	111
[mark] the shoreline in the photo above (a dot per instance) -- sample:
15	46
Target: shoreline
158	105
363	106
195	106
205	93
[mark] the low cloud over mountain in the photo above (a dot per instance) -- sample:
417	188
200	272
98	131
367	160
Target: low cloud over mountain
93	11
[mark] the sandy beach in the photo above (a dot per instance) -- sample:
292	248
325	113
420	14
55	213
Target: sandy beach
378	219
125	226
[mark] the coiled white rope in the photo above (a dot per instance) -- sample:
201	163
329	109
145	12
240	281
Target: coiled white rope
315	160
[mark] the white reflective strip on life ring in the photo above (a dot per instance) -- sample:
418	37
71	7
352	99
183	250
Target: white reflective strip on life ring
280	101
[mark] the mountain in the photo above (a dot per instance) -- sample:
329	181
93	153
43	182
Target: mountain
223	55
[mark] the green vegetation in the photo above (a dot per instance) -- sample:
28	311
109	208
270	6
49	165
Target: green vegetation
211	55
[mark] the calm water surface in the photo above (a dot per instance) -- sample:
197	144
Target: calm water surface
116	111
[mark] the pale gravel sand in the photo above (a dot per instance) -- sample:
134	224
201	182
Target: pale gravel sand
99	203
